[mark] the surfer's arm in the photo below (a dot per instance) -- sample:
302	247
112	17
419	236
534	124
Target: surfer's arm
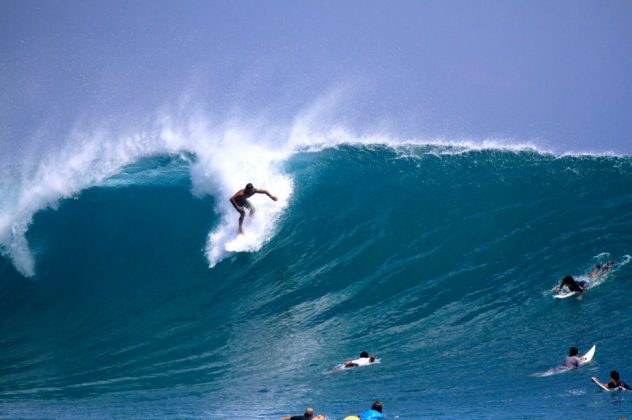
598	382
558	288
266	193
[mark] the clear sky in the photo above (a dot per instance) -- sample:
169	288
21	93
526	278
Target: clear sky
555	72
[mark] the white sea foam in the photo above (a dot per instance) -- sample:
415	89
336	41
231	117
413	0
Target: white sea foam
227	158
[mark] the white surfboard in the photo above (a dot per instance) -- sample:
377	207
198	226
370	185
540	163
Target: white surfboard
589	355
360	362
600	385
564	295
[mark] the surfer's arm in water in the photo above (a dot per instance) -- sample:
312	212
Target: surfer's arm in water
598	382
257	191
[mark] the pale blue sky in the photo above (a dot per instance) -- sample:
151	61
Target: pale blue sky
558	72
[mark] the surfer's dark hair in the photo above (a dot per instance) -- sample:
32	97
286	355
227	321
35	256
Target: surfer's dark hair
249	186
614	375
568	280
377	406
364	354
573	351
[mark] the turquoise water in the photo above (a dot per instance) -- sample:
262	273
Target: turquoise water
439	260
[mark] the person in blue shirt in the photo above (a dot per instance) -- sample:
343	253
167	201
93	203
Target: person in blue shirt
374	413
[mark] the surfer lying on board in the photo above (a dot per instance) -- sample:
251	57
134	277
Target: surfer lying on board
364	359
600	269
308	415
572	360
240	201
615	382
572	285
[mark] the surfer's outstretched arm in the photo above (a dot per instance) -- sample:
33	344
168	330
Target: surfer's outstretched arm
266	193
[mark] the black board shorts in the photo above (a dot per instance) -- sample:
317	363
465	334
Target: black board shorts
243	202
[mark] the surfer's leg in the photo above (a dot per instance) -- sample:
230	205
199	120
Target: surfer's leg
241	221
248	205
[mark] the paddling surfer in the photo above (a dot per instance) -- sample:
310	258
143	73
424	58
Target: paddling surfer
615	382
572	360
364	360
572	285
239	200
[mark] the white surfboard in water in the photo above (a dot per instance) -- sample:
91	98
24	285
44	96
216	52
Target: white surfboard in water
564	295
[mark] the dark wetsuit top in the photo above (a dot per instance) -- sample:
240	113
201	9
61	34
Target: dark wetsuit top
573	286
621	385
300	418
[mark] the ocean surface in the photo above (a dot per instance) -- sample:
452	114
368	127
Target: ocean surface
126	293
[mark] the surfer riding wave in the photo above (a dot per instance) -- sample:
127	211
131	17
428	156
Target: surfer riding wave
240	201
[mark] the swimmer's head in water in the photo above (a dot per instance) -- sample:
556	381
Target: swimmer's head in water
614	375
377	406
364	354
568	280
573	351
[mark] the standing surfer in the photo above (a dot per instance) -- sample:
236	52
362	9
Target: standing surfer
239	200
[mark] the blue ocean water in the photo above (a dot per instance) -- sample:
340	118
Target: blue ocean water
438	259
